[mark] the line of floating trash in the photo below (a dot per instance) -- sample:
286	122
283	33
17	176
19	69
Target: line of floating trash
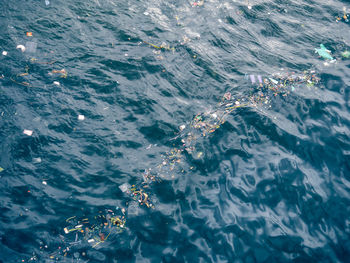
206	123
92	231
95	230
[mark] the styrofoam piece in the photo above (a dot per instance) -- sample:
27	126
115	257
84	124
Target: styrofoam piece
21	47
28	132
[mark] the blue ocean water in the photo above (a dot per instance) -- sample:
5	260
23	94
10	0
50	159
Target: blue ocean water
174	131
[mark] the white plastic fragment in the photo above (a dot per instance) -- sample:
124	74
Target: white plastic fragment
21	47
56	83
237	102
37	160
273	81
47	2
4	53
91	240
28	132
66	230
44	182
81	117
124	187
182	127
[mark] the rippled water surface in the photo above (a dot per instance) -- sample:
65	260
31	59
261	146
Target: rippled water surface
269	183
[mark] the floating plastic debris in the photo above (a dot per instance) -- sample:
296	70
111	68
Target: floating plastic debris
344	17
21	47
273	81
323	52
28	132
29	34
63	72
56	83
227	96
346	54
148	177
198	3
124	187
47	2
34	60
252	78
139	194
199	155
65	230
37	160
23	83
94	230
162	46
1	169
4	53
